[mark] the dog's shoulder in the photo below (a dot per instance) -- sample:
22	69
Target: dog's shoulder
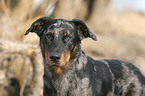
100	77
116	68
122	69
103	70
113	74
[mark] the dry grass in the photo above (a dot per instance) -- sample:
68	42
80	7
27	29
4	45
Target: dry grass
15	21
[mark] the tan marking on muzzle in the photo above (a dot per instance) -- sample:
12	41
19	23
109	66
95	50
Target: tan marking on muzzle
42	46
64	61
74	48
48	61
47	58
56	69
65	57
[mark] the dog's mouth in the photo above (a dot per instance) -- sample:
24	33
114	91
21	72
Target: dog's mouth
58	65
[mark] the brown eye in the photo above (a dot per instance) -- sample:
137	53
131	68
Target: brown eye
50	36
67	38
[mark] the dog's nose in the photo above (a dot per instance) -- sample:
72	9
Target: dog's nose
55	57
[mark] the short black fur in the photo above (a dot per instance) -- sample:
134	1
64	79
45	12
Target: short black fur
69	72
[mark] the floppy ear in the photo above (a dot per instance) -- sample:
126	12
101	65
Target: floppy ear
39	25
84	31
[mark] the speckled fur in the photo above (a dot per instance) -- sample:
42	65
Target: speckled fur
69	83
77	81
81	75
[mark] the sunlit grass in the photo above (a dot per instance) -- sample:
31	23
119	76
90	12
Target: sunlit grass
15	21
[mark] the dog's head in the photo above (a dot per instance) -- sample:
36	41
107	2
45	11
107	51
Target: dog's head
60	39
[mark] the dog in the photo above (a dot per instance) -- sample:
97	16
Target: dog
69	72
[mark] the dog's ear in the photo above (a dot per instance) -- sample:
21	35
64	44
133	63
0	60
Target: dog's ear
38	25
84	31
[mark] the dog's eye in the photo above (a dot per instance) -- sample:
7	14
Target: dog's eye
50	36
67	38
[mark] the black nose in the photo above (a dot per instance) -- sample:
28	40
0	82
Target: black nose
55	57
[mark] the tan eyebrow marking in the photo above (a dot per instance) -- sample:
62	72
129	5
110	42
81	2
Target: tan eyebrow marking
52	32
65	33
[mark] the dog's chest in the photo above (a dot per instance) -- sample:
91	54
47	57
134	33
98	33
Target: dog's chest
72	85
80	87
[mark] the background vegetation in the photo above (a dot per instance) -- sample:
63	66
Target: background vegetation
121	35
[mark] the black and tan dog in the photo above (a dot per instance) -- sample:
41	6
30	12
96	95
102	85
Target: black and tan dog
69	72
